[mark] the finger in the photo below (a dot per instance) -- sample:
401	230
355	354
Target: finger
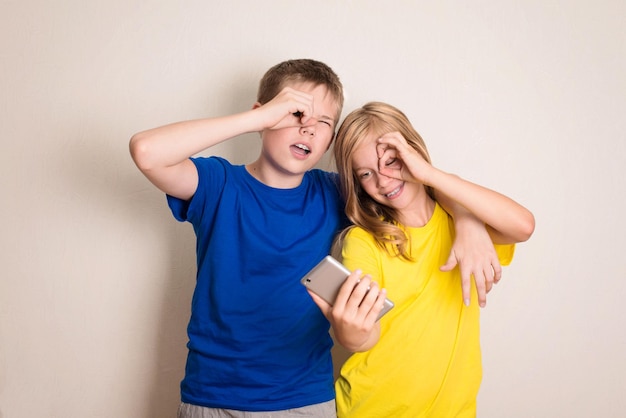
347	287
300	104
380	149
481	290
466	285
304	113
377	306
391	139
384	152
371	295
388	165
302	110
359	293
488	280
497	271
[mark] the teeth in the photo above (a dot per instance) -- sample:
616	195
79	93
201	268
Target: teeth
393	193
303	147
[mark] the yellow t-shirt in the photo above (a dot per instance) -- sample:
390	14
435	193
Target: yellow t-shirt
427	362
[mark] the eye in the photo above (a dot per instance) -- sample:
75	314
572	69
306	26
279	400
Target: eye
392	162
326	122
364	175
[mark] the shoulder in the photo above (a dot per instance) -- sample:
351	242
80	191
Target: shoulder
324	177
326	182
213	161
359	250
215	170
355	235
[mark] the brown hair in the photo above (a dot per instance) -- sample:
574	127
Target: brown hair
300	70
374	118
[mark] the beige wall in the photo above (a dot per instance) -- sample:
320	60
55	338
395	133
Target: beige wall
527	97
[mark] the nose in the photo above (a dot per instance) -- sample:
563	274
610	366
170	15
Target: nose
309	127
382	180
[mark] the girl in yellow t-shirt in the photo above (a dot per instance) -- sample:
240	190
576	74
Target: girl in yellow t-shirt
422	359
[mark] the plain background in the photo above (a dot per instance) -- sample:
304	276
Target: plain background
526	97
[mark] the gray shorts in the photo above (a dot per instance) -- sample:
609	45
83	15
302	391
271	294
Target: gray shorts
320	410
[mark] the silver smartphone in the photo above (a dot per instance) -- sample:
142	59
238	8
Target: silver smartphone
326	278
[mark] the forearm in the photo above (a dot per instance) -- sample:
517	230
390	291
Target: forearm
171	144
464	220
507	221
453	208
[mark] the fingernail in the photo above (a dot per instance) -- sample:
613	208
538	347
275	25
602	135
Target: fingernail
467	302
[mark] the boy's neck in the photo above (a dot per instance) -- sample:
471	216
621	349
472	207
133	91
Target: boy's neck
273	178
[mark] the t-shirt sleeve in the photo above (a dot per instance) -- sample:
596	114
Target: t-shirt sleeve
211	177
505	253
360	252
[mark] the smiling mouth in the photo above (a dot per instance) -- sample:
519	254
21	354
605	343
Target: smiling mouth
393	192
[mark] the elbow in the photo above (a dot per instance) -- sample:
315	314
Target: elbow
526	227
519	229
140	151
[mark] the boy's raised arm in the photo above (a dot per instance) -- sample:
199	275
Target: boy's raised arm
162	154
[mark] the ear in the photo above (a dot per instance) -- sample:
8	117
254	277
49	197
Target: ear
331	141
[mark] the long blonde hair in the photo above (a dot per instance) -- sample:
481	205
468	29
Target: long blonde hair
374	118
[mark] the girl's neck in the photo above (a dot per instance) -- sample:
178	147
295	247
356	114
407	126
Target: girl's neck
419	213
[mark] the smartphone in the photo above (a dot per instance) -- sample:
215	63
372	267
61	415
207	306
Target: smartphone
326	278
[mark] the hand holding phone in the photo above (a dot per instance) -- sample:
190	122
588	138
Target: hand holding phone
327	277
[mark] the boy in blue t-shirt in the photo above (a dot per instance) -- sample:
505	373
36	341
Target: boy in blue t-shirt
257	341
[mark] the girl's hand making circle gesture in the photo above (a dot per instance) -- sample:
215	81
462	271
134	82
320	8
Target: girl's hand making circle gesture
399	160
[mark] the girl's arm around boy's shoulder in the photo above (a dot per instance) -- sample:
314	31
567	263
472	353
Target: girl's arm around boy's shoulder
507	221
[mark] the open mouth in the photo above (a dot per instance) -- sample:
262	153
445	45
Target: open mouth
302	149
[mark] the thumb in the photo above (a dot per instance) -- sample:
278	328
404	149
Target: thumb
450	264
324	306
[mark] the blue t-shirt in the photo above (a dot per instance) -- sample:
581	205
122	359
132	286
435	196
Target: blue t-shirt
257	341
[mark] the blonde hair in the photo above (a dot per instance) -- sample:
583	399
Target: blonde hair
374	118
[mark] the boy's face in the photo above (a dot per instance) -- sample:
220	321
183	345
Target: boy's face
296	149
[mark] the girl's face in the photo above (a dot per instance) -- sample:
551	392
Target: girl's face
392	192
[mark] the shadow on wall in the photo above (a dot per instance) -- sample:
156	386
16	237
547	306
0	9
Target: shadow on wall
237	94
120	205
